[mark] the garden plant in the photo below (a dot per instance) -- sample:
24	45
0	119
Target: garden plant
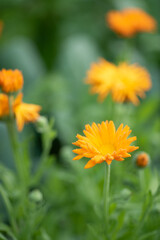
79	80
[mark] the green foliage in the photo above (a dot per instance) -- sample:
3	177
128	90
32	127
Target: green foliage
45	195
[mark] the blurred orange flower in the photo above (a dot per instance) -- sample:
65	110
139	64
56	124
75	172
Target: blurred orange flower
130	21
11	80
4	105
24	112
103	143
101	77
131	82
125	82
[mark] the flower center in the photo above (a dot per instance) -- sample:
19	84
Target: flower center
107	148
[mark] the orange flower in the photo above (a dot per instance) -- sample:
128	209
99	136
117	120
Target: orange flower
24	112
125	82
142	160
4	105
131	81
11	80
101	77
103	143
130	21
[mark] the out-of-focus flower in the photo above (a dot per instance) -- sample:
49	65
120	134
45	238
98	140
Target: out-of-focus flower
130	21
11	80
101	76
125	82
4	105
25	112
142	160
131	82
103	143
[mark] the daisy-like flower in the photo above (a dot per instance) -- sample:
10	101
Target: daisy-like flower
4	105
102	143
125	82
131	82
11	80
25	112
130	21
101	76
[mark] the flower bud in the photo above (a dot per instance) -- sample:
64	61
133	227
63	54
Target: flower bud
41	124
142	160
36	196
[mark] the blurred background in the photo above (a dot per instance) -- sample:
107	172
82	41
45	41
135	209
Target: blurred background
53	43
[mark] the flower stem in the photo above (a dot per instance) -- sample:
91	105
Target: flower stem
106	193
41	166
14	139
141	179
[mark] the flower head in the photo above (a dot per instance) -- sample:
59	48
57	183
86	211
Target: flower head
4	105
131	82
101	77
130	21
125	82
142	160
24	112
103	143
11	80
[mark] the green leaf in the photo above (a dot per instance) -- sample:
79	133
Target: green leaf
93	231
149	235
2	237
7	230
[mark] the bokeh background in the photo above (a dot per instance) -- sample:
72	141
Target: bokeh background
53	43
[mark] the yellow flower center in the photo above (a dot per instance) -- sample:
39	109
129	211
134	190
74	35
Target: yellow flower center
107	148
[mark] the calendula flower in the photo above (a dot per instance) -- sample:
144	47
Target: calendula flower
11	80
101	77
131	82
25	112
142	160
130	21
125	82
102	143
4	105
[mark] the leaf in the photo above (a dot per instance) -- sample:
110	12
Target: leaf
146	206
120	222
7	230
45	236
149	235
112	208
93	231
2	237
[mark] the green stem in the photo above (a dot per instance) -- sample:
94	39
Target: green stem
9	208
141	179
106	192
42	165
14	139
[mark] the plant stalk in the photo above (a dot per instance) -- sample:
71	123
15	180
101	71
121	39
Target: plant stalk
106	193
14	139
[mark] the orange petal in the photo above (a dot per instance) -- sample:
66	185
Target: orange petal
78	157
108	161
90	164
